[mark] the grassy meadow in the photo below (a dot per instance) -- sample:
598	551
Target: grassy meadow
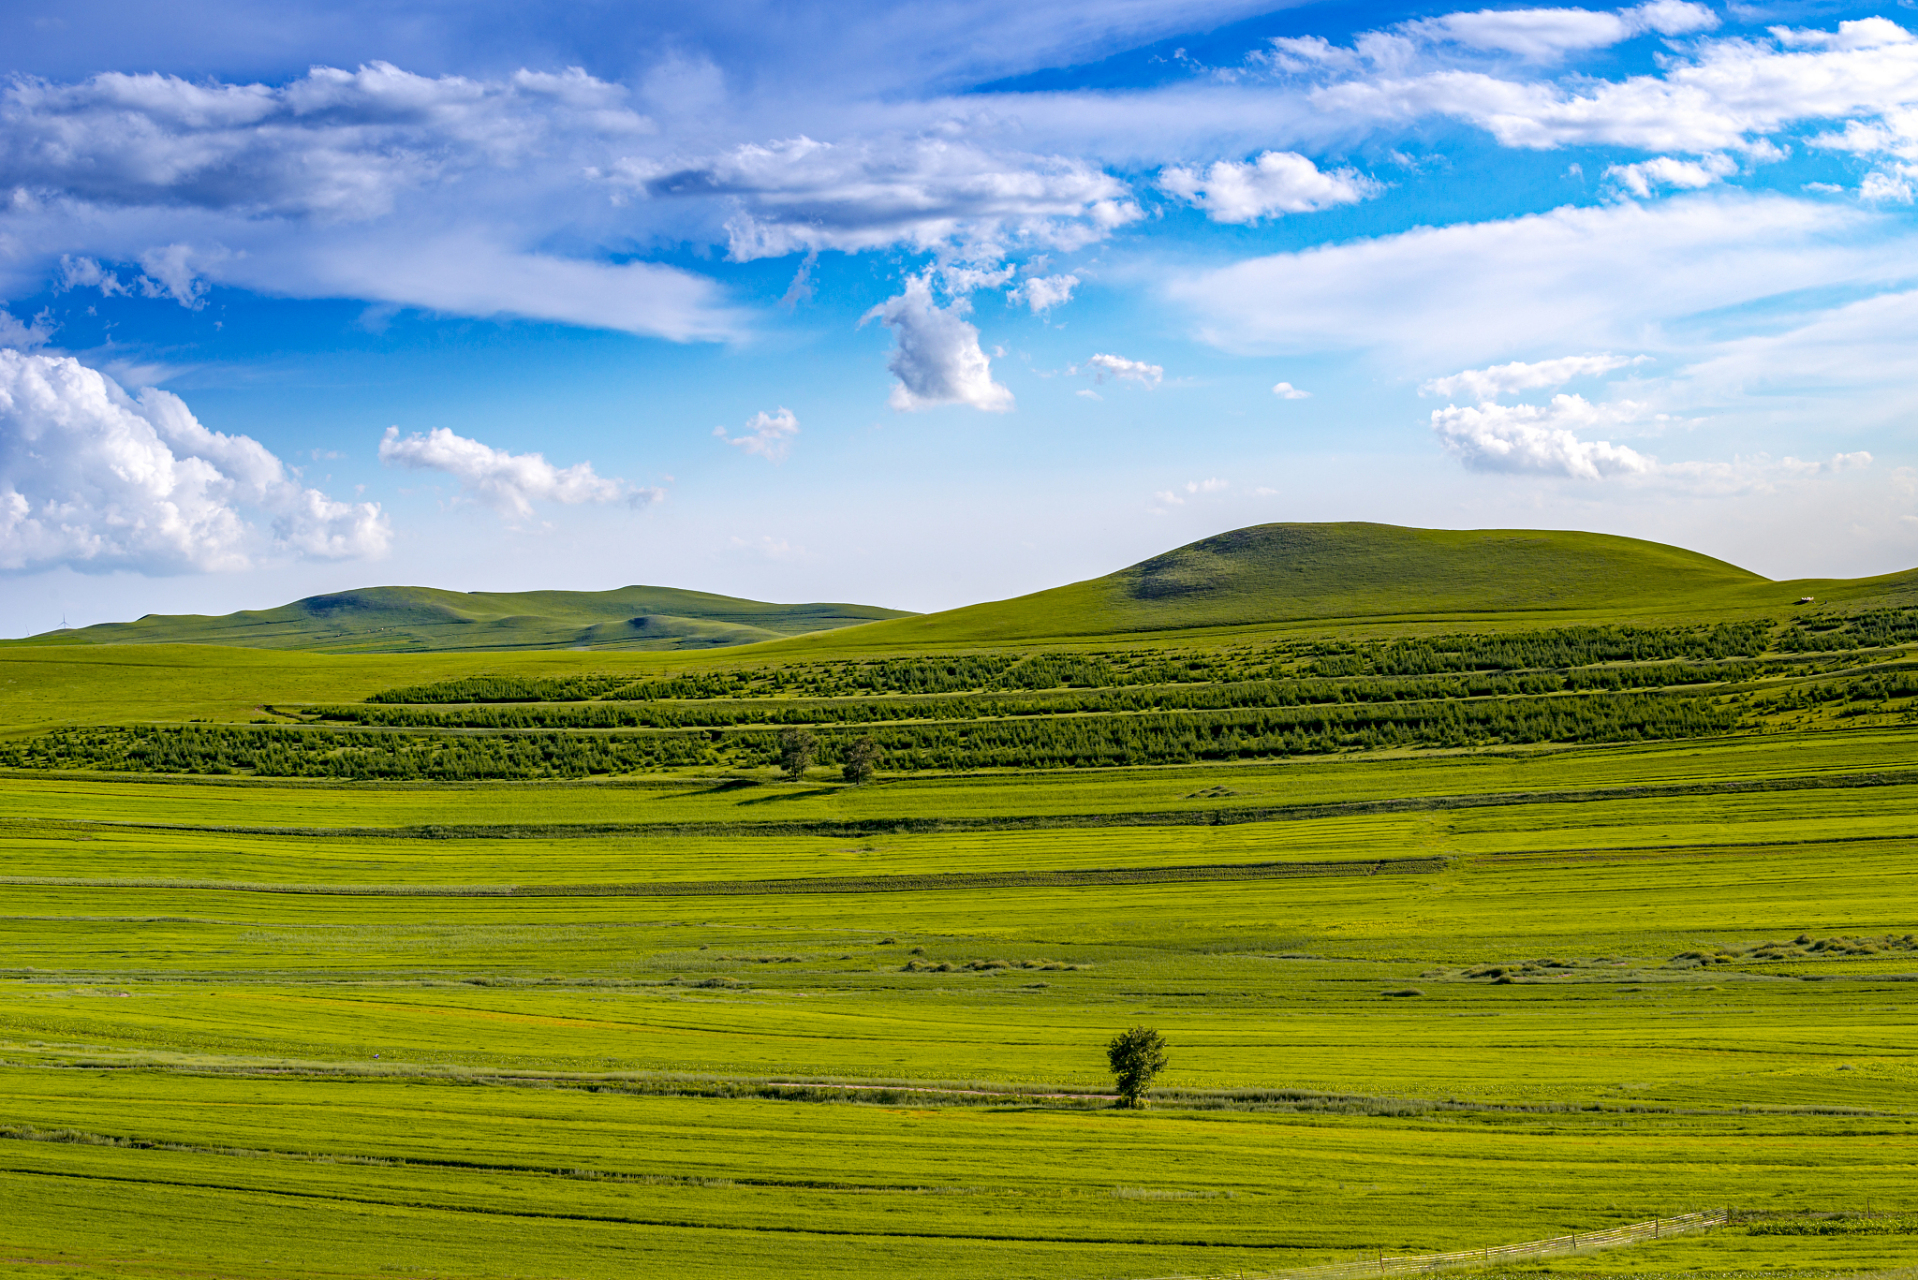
710	1021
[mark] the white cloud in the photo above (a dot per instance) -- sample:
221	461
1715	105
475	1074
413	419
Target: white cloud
1587	278
434	192
1124	370
1176	496
1535	35
1880	187
18	335
925	192
1642	178
507	482
1538	439
770	435
1503	379
1286	391
170	274
97	480
1043	293
1544	35
1724	97
936	354
1538	34
1277	182
1672	17
332	144
474	275
85	273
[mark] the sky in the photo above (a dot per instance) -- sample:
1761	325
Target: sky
924	304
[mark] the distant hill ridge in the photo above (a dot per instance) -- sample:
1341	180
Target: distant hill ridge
1269	574
425	619
1301	573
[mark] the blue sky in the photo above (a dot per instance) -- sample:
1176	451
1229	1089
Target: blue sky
925	304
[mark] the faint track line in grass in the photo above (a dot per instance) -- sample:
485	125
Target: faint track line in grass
416	1203
1558	1246
817	884
864	827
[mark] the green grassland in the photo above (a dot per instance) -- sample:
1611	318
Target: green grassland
1435	992
413	619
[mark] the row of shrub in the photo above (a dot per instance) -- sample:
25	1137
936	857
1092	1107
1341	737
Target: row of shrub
506	689
1835	632
1560	647
1035	742
1876	687
1560	650
1215	697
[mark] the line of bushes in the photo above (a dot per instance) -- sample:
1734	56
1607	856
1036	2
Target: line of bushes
1561	647
1213	697
1035	742
1867	629
1557	649
506	689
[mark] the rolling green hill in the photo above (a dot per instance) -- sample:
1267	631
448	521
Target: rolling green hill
1326	573
423	619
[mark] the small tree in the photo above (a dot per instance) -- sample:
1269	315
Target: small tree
795	752
1136	1057
861	757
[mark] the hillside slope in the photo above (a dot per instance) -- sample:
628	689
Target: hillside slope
1300	573
423	619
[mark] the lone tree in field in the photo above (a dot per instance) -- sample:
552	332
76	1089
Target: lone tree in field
795	752
1136	1057
861	756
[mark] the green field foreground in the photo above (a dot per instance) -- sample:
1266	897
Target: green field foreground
413	1072
1450	993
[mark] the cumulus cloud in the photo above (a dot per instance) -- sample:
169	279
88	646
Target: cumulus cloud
1540	439
434	192
1881	187
333	144
97	480
507	482
1543	35
1043	293
1123	370
1503	379
1276	182
1726	95
770	435
1645	176
1537	439
936	354
926	192
1286	391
